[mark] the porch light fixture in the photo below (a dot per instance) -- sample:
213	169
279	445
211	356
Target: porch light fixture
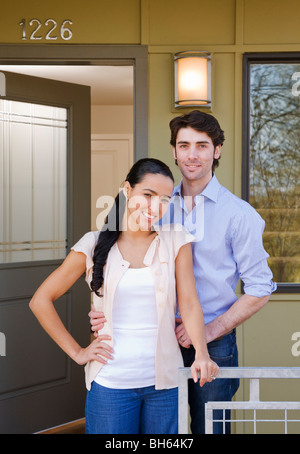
192	71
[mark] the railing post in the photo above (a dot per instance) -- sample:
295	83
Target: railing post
183	410
209	426
254	389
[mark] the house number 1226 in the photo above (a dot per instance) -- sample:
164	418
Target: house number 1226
38	29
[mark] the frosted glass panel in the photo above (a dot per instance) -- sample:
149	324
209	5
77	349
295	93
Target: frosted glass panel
33	182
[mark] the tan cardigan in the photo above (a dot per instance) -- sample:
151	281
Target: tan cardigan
160	257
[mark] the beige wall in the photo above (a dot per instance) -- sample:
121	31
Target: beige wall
112	120
227	29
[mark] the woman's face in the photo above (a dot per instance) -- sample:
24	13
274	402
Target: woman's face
147	201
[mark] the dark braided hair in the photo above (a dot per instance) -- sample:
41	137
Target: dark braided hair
112	227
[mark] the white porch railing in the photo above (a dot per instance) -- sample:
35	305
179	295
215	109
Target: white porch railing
254	403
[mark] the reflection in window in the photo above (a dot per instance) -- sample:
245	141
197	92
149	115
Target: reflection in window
274	162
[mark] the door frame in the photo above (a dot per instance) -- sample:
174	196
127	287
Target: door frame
97	55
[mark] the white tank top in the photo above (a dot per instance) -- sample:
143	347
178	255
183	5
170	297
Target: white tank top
134	333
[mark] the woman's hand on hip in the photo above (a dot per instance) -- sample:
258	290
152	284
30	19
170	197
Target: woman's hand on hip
98	350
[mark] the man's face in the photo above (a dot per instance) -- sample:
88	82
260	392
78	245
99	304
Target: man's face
195	153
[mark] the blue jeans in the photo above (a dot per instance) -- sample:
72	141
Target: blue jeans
224	353
131	411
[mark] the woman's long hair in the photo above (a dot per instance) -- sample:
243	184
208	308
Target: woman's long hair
112	227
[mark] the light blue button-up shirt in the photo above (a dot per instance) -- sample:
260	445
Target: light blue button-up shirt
228	246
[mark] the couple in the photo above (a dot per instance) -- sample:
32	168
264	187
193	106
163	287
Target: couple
135	273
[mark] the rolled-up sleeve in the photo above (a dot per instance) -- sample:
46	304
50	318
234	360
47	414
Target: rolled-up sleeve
250	255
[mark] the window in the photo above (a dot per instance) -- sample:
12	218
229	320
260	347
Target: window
33	182
271	158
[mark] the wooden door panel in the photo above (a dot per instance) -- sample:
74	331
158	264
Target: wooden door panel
40	387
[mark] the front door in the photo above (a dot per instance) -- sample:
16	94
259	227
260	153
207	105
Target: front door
44	210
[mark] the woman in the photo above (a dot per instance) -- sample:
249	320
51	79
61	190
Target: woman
131	265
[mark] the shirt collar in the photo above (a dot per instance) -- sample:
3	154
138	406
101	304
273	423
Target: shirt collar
210	191
159	244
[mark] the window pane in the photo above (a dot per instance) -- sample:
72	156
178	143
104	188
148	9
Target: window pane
33	182
274	164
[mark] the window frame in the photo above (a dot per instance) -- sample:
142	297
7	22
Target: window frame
248	59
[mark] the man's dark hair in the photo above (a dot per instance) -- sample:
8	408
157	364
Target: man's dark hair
201	122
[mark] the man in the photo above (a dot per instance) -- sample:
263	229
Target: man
228	247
